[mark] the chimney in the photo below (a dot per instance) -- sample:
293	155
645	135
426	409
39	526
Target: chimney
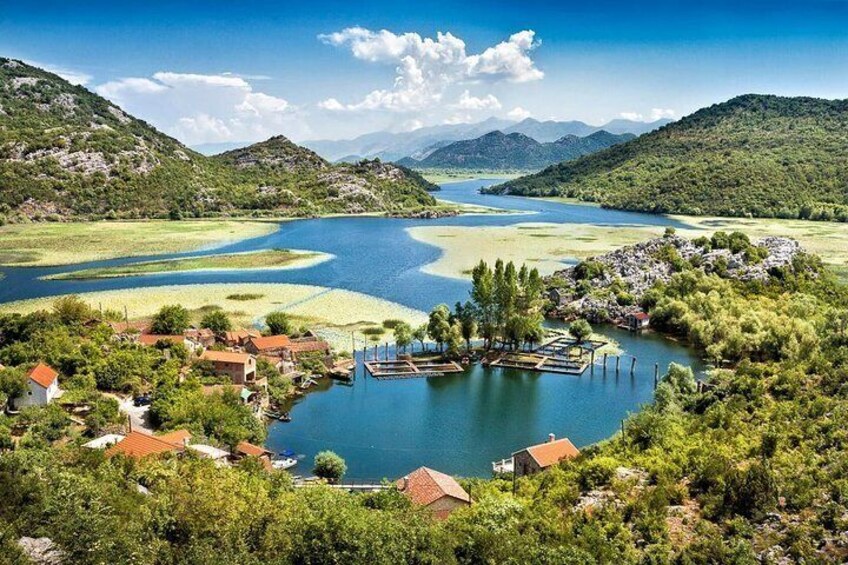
185	441
129	423
551	438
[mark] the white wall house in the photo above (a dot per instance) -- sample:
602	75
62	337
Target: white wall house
43	387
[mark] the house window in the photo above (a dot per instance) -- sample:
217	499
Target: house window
29	393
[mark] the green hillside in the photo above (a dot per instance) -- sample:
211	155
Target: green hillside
497	151
756	155
66	152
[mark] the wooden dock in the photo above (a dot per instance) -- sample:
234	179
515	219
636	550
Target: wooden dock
562	355
406	369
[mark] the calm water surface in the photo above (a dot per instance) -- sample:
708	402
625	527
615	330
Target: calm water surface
457	424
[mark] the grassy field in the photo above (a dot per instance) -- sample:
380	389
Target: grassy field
440	176
545	246
334	313
67	243
266	259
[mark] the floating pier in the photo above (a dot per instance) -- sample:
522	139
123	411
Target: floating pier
407	369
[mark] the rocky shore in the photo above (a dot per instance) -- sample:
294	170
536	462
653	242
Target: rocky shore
609	287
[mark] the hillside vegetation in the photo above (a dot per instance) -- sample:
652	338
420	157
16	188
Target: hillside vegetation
764	156
515	151
66	152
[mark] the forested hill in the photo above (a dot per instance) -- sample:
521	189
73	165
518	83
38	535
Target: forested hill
755	154
514	151
66	152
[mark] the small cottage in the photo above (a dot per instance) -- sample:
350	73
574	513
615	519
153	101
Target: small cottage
42	387
436	491
203	337
239	338
636	321
240	367
139	445
536	458
245	449
559	297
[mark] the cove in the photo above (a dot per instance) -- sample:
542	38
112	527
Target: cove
457	424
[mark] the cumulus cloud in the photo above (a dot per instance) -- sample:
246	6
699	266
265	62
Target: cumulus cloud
425	67
656	114
660	113
469	102
71	75
204	108
518	113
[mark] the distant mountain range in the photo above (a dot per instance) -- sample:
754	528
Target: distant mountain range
67	152
391	146
513	151
757	155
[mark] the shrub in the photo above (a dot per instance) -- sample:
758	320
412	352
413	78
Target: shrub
329	466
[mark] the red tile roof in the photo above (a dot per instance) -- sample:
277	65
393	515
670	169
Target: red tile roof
43	375
640	316
177	437
153	339
270	342
425	486
239	335
245	448
139	445
225	357
552	452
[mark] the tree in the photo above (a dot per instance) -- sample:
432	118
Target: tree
454	339
467	318
217	321
171	319
279	323
580	330
438	327
403	335
71	310
329	466
13	383
420	334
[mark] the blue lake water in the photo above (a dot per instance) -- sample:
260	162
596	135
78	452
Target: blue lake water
457	424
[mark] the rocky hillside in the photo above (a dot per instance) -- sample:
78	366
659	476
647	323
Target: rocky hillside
765	156
66	152
607	287
514	151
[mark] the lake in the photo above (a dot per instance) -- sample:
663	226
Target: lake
458	424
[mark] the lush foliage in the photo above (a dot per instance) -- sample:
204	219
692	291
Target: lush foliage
764	156
66	151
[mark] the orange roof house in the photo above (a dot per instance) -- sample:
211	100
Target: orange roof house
240	367
245	449
538	457
267	344
43	375
138	445
42	387
239	337
437	491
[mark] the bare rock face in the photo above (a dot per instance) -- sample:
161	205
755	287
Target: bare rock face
637	268
41	551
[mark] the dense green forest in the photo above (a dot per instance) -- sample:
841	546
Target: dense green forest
498	151
757	155
65	151
749	468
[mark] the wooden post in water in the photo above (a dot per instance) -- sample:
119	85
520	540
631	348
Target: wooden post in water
376	353
593	357
617	363
633	365
605	362
387	351
656	374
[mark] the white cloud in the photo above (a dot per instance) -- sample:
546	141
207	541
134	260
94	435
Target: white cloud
660	113
426	67
656	114
205	108
469	102
518	113
71	75
458	119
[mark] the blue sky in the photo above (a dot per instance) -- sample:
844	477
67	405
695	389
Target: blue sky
216	71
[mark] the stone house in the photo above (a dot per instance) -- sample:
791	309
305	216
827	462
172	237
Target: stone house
240	367
636	321
536	458
438	492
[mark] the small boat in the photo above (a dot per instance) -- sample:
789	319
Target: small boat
284	417
286	463
272	415
288	453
